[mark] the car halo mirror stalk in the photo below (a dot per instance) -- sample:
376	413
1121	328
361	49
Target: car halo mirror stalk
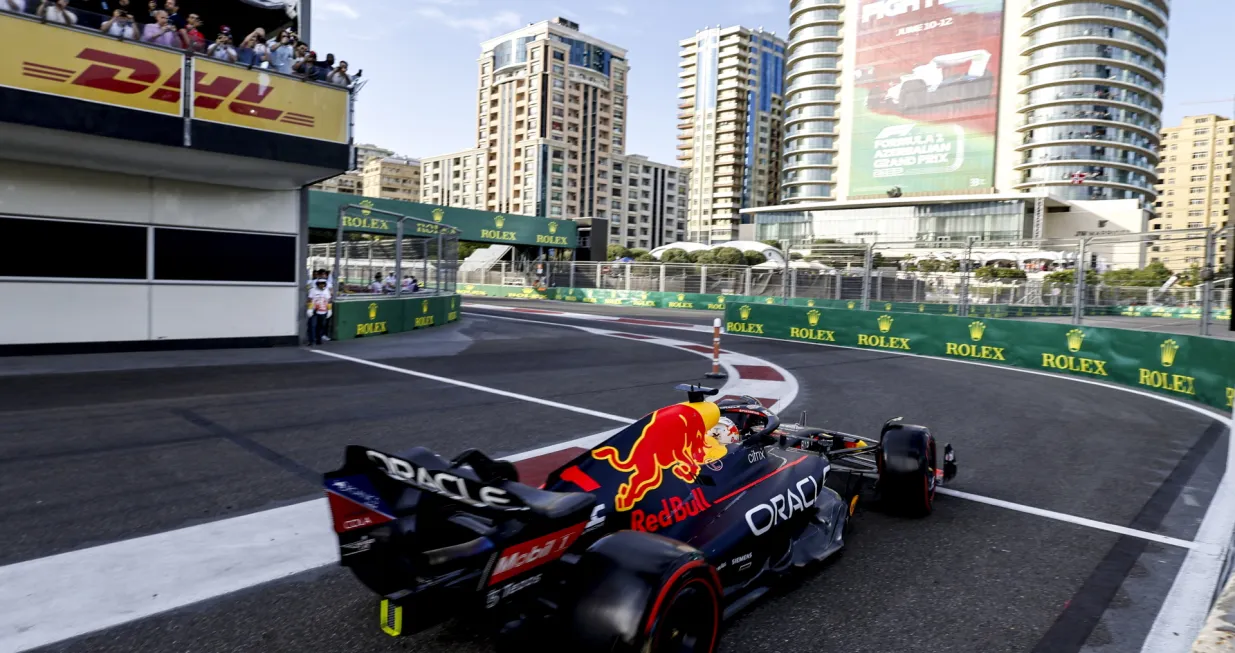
949	463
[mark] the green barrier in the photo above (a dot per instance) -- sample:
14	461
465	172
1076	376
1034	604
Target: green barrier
513	292
360	318
1185	367
1167	311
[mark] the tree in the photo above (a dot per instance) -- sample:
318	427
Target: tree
466	248
729	256
616	252
645	257
930	264
703	256
675	256
753	257
877	260
773	243
1154	274
794	256
636	252
1069	276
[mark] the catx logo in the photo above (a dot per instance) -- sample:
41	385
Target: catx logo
125	75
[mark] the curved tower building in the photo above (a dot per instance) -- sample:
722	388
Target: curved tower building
1091	87
812	92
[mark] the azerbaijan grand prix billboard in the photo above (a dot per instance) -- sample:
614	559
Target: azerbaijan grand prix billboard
927	90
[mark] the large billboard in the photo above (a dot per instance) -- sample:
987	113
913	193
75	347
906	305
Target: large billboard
256	99
927	91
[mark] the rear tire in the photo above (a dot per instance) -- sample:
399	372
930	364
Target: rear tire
907	463
643	593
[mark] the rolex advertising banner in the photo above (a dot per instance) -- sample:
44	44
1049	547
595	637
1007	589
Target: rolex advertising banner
926	95
477	226
1184	367
359	318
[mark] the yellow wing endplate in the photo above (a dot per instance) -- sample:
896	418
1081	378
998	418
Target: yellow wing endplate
391	617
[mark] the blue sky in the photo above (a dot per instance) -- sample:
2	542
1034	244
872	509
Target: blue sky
420	59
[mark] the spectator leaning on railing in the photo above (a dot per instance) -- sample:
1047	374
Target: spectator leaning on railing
161	31
282	51
192	32
339	76
57	12
222	48
253	50
121	24
15	6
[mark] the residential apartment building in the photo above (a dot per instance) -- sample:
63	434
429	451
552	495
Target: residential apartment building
1194	187
646	205
349	183
729	126
982	97
392	178
551	118
455	179
366	152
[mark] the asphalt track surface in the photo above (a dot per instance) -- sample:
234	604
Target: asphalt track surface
143	444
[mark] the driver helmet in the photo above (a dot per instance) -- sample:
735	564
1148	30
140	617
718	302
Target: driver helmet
725	431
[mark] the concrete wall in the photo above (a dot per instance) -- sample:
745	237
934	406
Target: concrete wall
1101	219
75	311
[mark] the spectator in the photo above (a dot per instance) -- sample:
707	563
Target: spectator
161	31
195	40
57	12
121	24
376	286
253	51
222	49
339	76
320	309
281	52
324	67
410	284
307	67
177	21
392	282
15	6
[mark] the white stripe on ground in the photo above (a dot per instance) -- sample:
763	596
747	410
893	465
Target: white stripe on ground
1187	604
1082	521
51	599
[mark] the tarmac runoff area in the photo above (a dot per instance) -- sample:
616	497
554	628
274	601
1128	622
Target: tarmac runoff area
171	502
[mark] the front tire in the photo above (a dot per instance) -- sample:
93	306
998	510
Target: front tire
907	464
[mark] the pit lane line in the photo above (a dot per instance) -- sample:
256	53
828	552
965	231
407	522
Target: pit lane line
1186	606
51	599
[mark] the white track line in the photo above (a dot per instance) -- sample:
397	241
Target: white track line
1081	521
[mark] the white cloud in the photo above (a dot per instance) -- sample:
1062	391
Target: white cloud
620	10
483	26
340	8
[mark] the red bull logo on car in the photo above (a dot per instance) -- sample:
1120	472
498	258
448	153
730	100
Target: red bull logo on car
674	438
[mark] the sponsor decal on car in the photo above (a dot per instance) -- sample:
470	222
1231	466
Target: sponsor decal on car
443	483
534	553
674	438
782	507
598	518
495	596
359	546
672	511
755	456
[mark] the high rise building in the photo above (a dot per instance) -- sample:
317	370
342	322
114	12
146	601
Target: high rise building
348	183
729	126
455	179
392	178
645	206
1194	188
551	118
973	96
812	99
366	152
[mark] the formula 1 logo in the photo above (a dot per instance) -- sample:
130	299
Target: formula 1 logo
674	438
125	75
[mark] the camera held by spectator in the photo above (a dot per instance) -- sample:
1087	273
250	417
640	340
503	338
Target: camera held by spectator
57	11
339	76
222	48
121	24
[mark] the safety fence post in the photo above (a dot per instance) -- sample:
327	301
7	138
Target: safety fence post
1207	282
703	278
866	278
662	277
628	276
747	289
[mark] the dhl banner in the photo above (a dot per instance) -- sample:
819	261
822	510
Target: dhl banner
57	61
259	100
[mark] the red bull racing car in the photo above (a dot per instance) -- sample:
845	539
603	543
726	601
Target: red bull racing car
643	543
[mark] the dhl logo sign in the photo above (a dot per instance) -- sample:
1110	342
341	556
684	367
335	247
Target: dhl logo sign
97	69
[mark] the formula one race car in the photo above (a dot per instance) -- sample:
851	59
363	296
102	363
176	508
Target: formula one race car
643	543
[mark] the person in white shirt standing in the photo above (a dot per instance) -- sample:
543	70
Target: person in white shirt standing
321	308
121	25
57	12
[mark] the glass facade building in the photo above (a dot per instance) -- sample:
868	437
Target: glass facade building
936	224
812	88
1093	89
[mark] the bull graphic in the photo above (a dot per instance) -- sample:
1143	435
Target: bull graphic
674	438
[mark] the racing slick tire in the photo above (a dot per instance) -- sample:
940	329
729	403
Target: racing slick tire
643	593
907	464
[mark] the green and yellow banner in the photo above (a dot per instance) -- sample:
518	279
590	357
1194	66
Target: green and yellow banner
361	318
1184	367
